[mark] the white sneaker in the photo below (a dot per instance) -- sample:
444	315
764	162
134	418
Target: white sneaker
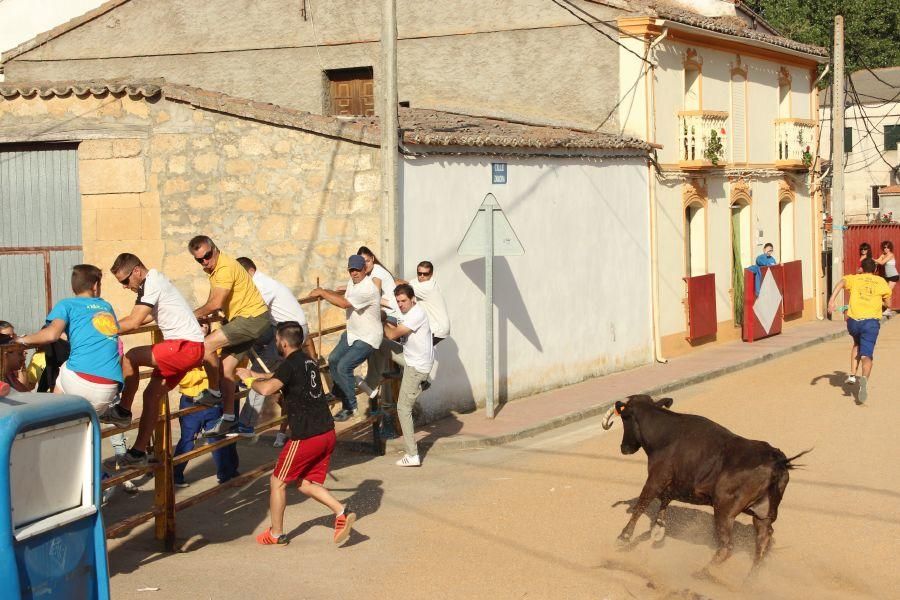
409	461
280	439
850	379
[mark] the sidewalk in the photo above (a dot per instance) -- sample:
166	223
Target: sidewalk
530	416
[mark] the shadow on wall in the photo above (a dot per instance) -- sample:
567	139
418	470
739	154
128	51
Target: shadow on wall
434	402
510	309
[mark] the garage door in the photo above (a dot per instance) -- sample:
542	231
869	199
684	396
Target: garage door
40	230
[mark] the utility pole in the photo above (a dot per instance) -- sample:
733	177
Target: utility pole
837	165
390	208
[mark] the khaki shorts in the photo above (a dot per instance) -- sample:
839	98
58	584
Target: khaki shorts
242	334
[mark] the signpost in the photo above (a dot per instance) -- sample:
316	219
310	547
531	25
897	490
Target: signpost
490	235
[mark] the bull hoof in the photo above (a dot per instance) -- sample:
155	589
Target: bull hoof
657	534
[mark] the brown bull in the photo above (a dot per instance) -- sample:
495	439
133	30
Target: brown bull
691	459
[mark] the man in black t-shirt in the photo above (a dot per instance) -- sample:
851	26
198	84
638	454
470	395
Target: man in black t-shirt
305	456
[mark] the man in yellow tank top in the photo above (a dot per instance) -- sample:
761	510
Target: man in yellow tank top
869	294
232	291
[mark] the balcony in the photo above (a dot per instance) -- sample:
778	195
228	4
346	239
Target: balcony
702	139
794	141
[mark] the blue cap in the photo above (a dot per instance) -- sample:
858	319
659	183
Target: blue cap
356	262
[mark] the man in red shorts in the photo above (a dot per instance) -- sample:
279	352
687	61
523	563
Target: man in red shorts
180	351
305	456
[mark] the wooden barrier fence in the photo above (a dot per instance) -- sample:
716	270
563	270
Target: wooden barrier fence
163	461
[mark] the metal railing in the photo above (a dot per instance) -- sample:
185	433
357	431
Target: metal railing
163	461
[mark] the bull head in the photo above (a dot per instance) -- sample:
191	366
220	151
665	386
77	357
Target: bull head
631	434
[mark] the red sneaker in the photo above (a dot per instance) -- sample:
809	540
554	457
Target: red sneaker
343	523
267	539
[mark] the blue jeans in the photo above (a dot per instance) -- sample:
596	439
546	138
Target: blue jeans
226	458
341	362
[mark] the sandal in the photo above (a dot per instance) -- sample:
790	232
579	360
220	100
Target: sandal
267	539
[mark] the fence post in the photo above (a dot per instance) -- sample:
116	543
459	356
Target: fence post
164	483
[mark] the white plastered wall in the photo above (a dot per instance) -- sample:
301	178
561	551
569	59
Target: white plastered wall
576	305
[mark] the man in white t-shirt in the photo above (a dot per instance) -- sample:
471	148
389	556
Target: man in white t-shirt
414	334
362	301
180	351
283	307
429	297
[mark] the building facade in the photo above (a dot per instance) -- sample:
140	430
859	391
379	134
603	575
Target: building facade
735	123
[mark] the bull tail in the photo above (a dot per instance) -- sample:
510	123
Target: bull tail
787	463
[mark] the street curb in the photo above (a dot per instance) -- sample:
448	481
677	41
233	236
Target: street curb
449	444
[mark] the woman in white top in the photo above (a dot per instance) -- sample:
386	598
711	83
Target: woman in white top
889	263
383	280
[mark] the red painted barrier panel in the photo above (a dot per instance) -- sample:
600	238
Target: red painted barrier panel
701	305
874	235
793	287
753	329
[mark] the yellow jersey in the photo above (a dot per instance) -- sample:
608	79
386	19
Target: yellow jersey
245	299
867	291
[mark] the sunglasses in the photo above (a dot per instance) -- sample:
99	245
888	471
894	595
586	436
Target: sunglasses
355	270
125	281
205	257
426	274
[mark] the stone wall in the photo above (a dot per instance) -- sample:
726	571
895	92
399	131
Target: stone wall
153	173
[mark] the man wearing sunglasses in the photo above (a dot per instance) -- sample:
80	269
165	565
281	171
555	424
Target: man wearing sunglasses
180	351
232	291
364	333
429	297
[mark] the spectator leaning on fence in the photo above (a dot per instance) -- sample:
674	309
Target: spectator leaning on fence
180	351
363	335
232	291
306	456
192	424
93	370
430	297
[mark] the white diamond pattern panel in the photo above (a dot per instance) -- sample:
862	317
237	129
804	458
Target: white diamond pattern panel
766	306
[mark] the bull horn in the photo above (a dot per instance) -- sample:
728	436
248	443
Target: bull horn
608	417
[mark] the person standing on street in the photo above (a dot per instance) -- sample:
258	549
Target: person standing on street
889	263
306	456
430	298
416	359
869	294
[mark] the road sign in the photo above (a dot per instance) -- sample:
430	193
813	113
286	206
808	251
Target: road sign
489	235
505	241
498	173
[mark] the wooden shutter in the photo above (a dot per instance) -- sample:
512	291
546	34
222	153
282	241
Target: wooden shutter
738	119
352	92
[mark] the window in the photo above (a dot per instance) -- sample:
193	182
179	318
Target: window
876	200
695	239
848	140
786	230
891	136
692	88
351	92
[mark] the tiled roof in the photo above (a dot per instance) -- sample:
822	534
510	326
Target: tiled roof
422	127
889	189
667	9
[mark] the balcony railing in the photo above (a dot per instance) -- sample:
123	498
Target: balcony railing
794	142
703	140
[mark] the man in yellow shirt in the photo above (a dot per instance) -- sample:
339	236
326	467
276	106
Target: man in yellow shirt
869	294
232	291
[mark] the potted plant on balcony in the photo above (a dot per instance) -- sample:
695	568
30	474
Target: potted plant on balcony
807	157
714	147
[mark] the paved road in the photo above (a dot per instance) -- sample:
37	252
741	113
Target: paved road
538	519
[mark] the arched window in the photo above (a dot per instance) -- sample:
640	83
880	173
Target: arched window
738	113
695	239
786	229
784	94
693	83
741	245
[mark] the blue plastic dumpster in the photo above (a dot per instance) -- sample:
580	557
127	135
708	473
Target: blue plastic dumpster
54	545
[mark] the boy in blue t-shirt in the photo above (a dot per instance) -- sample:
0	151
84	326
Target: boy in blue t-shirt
93	369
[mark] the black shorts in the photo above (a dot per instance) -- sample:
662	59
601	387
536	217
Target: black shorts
894	278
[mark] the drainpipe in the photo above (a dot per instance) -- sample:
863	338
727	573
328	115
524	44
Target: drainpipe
650	94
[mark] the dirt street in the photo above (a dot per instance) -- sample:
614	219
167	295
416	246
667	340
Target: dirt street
539	518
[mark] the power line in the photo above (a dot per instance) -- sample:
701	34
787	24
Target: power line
866	122
567	6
